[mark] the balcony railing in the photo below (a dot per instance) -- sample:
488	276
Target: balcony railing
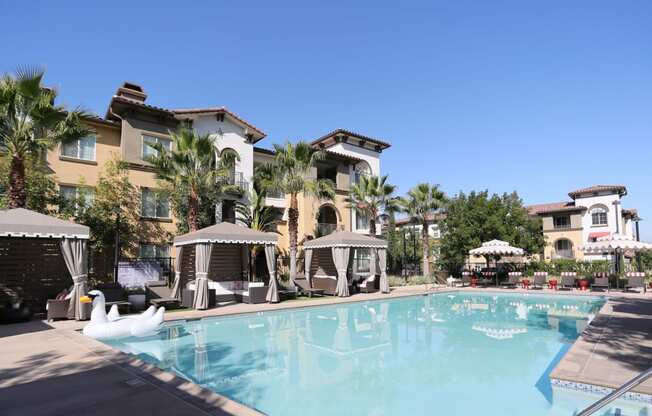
561	226
325	229
238	179
563	254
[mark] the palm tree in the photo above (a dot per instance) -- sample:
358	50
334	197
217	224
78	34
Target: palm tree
257	216
289	174
31	124
191	166
421	203
371	196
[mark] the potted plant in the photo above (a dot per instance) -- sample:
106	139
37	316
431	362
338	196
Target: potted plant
584	282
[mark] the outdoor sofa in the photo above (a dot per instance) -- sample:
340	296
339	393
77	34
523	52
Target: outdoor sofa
159	294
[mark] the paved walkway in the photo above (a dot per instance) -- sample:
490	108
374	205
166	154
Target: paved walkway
51	369
616	347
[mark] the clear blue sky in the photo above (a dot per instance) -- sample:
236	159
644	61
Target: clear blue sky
538	97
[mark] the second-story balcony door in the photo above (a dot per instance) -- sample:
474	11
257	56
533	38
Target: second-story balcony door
326	221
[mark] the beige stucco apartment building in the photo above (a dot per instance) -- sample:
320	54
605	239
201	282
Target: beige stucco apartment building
130	123
591	213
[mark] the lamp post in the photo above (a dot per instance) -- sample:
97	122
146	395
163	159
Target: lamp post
617	256
404	252
116	254
639	266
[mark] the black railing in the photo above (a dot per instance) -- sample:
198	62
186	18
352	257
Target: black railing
325	229
238	179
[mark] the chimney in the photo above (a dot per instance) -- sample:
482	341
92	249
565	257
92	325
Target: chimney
132	91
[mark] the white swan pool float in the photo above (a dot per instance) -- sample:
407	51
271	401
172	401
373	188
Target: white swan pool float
112	325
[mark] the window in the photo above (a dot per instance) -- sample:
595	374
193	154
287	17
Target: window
361	169
75	197
361	221
561	222
149	141
599	215
83	148
152	250
564	248
154	205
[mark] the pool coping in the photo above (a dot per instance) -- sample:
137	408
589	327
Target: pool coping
213	403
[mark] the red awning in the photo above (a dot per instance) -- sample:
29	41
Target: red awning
595	236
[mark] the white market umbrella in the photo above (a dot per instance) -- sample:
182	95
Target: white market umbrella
496	248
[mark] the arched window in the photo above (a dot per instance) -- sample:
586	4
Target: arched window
599	215
564	248
233	155
362	168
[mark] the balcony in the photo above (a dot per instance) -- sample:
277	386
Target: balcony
324	228
238	180
563	254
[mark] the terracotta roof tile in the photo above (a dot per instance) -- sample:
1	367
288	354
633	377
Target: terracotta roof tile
551	207
217	110
621	189
344	132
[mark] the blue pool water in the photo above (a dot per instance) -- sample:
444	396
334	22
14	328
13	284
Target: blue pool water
449	354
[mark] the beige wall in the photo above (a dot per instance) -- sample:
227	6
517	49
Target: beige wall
68	171
574	234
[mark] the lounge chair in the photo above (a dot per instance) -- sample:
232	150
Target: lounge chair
159	294
114	294
600	283
466	278
512	280
567	281
635	280
539	280
326	283
304	287
369	285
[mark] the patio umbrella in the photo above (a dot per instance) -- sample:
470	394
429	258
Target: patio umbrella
615	244
496	249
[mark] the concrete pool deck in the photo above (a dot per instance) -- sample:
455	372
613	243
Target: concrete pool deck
51	369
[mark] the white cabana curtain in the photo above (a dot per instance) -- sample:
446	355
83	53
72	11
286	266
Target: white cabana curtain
382	264
341	260
75	255
244	253
307	255
202	264
176	284
372	261
270	257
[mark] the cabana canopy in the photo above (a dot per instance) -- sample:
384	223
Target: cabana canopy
345	239
222	233
341	243
615	242
21	222
226	233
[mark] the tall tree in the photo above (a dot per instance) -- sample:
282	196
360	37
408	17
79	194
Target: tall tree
42	194
30	124
191	167
421	203
257	216
474	218
289	173
371	196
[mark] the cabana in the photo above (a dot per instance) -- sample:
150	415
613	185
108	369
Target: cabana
217	259
39	254
331	254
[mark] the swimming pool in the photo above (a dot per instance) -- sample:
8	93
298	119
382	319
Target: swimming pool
448	353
